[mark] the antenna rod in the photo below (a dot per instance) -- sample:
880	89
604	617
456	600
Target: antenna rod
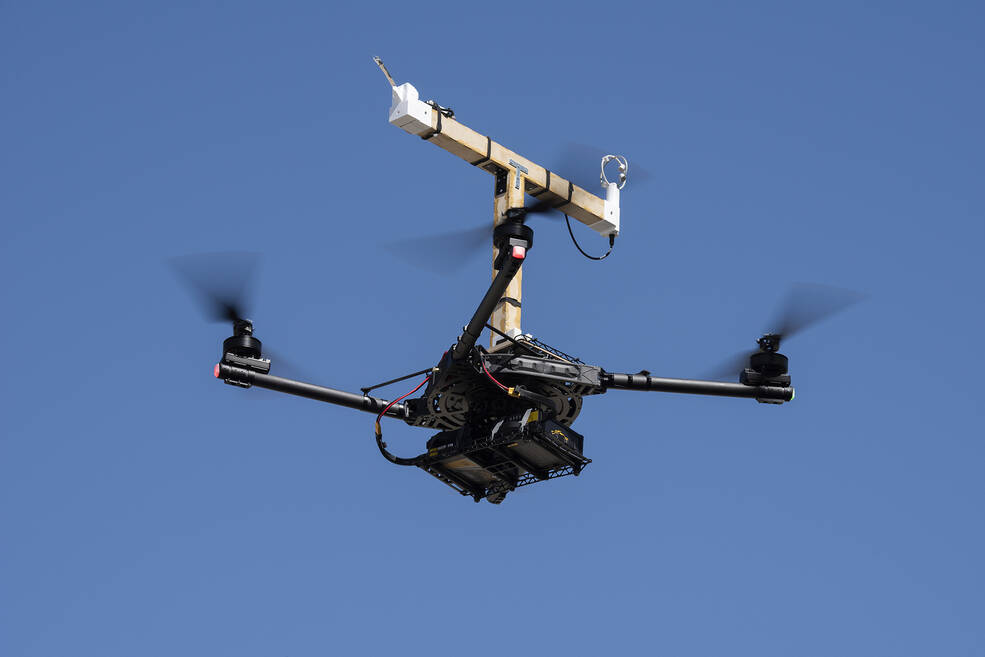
379	62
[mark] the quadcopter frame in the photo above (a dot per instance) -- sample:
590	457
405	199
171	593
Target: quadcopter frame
504	415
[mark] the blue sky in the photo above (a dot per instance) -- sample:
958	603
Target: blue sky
149	510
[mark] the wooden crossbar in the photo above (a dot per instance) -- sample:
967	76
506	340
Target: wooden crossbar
541	183
515	175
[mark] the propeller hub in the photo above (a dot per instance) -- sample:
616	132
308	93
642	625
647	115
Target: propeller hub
769	342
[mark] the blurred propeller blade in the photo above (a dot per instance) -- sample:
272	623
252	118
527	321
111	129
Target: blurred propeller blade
804	305
730	368
581	164
220	282
443	252
544	208
450	251
285	367
807	304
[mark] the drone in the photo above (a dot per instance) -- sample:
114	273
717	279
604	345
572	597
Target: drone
501	417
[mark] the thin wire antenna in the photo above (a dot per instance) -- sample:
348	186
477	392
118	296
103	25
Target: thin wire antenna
379	62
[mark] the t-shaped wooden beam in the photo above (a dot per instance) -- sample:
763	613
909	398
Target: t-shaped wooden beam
514	175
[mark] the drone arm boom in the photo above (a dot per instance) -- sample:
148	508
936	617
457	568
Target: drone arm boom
244	376
466	341
773	394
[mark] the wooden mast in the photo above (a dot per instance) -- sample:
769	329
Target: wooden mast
506	317
514	176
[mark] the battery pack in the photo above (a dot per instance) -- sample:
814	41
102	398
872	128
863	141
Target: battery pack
490	461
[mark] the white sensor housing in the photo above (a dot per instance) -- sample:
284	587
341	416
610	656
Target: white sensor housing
610	225
408	112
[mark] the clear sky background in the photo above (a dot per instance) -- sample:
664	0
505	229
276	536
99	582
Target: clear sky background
147	509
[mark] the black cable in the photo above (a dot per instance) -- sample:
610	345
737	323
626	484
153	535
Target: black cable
366	391
379	429
612	242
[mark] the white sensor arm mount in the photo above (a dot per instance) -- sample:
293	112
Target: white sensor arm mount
612	208
612	191
408	112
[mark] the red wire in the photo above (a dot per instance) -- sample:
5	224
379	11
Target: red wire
493	378
387	408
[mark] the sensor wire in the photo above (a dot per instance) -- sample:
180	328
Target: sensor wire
493	379
612	243
379	428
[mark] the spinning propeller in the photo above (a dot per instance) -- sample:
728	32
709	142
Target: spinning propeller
450	251
579	163
804	305
538	208
222	283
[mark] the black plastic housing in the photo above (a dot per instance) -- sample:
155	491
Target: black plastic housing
509	234
242	345
488	462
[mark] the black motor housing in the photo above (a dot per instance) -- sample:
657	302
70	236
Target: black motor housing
241	342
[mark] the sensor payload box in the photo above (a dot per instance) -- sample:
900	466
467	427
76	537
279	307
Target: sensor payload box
408	112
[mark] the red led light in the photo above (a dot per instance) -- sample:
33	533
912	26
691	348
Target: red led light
216	370
519	252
